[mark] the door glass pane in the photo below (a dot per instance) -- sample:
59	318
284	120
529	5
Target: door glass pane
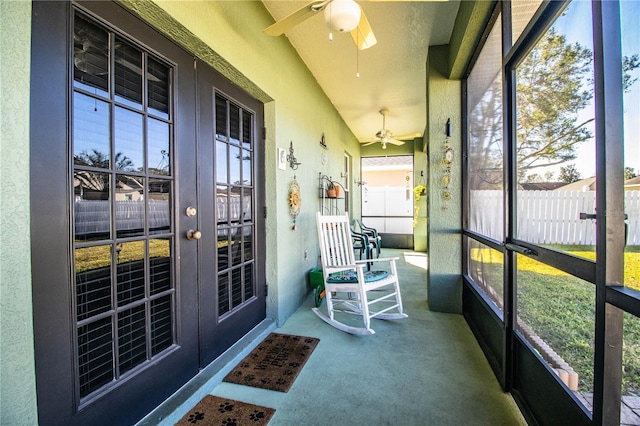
158	147
129	206
247	174
234	123
235	165
159	265
93	280
484	103
158	87
128	73
555	137
221	118
91	134
95	355
159	206
223	294
129	140
91	206
221	162
556	314
161	323
486	269
90	57
247	205
132	341
131	277
630	16
247	129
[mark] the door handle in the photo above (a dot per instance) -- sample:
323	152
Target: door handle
584	216
194	234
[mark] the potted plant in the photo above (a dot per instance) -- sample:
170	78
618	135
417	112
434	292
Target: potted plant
331	190
418	191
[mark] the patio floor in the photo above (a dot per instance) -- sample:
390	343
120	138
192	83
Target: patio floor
426	369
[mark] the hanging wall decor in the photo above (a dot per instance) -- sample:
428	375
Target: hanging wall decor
294	200
446	162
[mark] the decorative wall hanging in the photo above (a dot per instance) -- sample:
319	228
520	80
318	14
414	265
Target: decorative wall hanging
323	142
293	163
295	199
446	162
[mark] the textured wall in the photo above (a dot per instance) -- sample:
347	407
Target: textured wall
444	222
17	371
228	35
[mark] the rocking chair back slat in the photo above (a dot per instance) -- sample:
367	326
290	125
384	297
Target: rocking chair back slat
334	235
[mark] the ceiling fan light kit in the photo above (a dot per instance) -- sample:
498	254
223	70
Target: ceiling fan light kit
342	15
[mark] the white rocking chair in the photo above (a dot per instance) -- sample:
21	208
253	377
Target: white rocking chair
347	284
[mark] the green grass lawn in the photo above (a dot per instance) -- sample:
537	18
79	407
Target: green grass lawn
560	309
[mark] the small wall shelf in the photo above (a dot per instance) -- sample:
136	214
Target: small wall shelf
329	205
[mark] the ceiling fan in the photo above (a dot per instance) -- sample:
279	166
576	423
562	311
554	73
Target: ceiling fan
340	15
384	135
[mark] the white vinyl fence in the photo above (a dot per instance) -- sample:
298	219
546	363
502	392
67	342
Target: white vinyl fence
389	209
549	217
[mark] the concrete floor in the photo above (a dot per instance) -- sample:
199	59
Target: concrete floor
424	370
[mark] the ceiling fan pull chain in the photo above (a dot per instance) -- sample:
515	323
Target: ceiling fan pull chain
357	55
330	32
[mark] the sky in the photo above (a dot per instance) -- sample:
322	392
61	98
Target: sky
572	24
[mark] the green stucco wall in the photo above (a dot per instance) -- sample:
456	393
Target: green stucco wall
229	36
17	371
444	284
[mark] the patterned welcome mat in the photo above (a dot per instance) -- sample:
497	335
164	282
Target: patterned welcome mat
275	363
214	411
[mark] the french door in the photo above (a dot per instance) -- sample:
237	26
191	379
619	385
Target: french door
145	266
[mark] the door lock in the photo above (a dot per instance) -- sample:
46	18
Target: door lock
191	211
193	235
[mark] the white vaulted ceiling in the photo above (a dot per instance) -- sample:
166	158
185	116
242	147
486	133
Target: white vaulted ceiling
392	72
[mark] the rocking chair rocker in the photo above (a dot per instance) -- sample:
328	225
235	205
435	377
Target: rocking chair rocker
347	284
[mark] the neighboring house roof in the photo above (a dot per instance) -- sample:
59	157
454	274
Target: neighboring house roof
588	184
541	186
632	184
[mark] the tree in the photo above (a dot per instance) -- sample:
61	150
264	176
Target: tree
569	174
629	173
554	85
551	91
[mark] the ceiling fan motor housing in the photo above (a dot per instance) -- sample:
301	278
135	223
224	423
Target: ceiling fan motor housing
342	15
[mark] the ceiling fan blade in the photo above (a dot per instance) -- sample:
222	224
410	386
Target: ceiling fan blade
369	143
407	136
293	19
395	142
362	34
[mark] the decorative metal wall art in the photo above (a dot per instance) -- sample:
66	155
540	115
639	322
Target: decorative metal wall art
295	200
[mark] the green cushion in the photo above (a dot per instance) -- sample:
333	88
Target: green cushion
351	277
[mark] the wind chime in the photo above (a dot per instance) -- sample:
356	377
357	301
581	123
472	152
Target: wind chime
446	162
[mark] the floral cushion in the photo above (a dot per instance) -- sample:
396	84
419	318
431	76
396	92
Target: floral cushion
351	277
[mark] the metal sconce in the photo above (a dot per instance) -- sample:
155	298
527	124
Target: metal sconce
293	163
360	182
